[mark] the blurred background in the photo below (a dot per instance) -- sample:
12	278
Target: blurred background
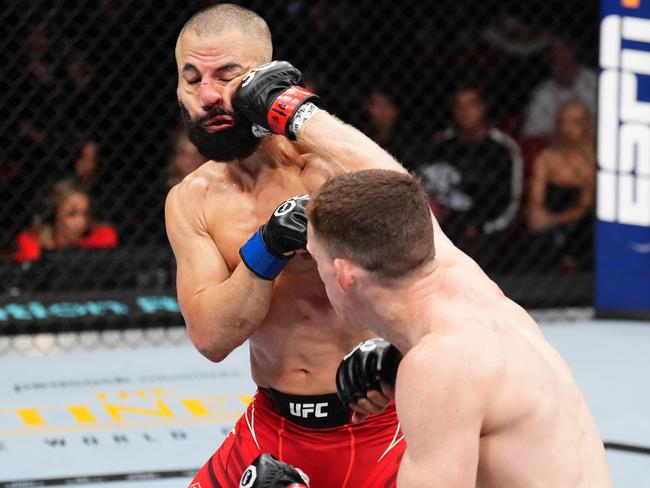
491	103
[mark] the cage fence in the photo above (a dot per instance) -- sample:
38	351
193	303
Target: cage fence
490	103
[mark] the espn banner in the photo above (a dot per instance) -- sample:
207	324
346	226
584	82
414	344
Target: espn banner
623	192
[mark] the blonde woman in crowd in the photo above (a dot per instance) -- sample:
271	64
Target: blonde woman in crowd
563	185
65	223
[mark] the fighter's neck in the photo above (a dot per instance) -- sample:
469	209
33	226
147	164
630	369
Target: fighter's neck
273	152
402	314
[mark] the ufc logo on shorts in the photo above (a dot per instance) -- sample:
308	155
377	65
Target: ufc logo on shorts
305	409
624	122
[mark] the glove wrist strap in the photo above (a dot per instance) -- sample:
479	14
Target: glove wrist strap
303	114
259	259
283	108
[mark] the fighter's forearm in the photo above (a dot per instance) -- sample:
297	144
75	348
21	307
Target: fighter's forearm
272	98
343	145
221	317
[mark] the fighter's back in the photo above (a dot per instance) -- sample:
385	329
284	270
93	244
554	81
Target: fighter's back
537	429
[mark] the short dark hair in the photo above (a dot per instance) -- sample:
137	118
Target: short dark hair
379	219
223	16
467	87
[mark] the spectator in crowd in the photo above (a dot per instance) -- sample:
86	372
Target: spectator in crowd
55	75
562	189
569	80
382	125
12	180
39	90
92	176
185	158
144	222
86	163
66	223
473	174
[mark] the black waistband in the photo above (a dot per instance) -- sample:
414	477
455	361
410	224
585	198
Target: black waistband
314	411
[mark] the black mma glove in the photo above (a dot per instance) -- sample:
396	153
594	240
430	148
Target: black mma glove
271	97
368	364
286	231
268	472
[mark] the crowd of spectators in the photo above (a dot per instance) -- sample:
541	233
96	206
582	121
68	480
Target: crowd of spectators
473	173
91	144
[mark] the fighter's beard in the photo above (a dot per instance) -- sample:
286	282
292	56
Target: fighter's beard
228	145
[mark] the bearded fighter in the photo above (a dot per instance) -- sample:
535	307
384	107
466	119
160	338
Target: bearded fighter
239	277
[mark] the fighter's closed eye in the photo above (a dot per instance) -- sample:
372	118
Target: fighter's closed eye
192	72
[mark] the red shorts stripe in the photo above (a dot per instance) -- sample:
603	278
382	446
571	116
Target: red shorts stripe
280	432
351	460
211	473
370	451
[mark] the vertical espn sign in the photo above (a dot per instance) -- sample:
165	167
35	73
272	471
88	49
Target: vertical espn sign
623	192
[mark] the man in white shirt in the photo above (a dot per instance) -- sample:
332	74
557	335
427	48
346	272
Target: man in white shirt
569	80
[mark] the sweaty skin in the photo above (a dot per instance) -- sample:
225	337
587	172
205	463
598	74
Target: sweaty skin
483	399
296	339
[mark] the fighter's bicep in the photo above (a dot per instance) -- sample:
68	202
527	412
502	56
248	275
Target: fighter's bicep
197	269
198	260
316	171
440	414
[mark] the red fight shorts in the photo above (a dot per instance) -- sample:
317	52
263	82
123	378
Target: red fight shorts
346	456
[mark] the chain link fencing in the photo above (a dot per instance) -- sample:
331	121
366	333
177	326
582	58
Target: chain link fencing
491	103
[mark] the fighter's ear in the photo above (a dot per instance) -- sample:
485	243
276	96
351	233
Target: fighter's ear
345	273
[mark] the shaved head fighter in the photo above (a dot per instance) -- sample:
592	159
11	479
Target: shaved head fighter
237	226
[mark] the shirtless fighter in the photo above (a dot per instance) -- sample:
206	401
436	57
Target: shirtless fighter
483	399
233	287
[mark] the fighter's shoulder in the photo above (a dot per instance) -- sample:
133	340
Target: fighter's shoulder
451	343
193	189
434	355
187	199
437	371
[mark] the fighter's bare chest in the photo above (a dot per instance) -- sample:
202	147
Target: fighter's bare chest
233	217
